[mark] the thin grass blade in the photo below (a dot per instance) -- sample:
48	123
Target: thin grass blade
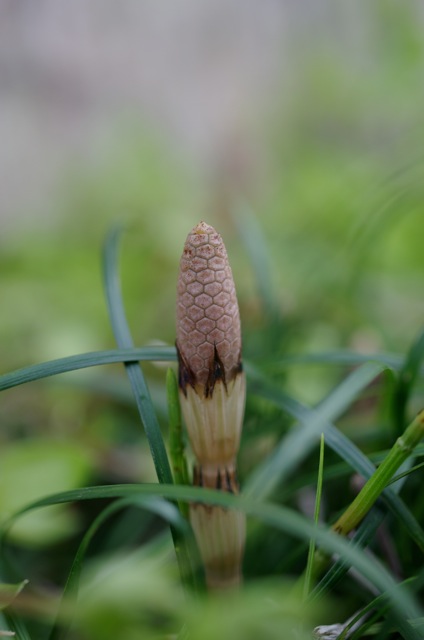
83	361
124	341
337	441
285	519
141	394
159	506
340	357
407	378
311	551
301	440
17	624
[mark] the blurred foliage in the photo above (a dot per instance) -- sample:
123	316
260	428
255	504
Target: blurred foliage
28	467
149	602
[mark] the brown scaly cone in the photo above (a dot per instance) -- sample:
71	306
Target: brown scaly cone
212	394
211	380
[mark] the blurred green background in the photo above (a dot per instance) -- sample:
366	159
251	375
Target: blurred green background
311	116
295	129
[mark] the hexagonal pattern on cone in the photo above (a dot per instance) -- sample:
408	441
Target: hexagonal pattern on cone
211	380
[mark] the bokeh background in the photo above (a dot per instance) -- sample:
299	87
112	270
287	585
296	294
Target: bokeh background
311	115
295	128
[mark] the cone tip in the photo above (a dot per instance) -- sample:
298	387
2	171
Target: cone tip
202	228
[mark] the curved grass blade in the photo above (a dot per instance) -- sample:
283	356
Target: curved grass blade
301	440
176	441
124	341
362	620
311	551
337	357
16	623
349	452
358	624
159	506
283	518
141	393
168	354
406	473
361	539
407	377
8	592
83	361
401	451
337	441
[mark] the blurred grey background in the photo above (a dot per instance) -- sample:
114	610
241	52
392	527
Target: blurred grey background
201	75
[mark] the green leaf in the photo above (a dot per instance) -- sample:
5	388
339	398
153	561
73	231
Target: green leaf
302	439
362	537
124	341
83	361
16	623
341	357
407	378
284	519
160	507
349	452
8	592
335	440
176	441
311	551
141	391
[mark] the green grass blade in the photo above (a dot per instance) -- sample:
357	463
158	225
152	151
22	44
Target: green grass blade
406	473
176	441
301	440
284	519
407	377
16	624
336	357
381	609
141	393
401	450
336	441
361	539
83	361
124	341
354	514
349	452
311	551
168	354
159	506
